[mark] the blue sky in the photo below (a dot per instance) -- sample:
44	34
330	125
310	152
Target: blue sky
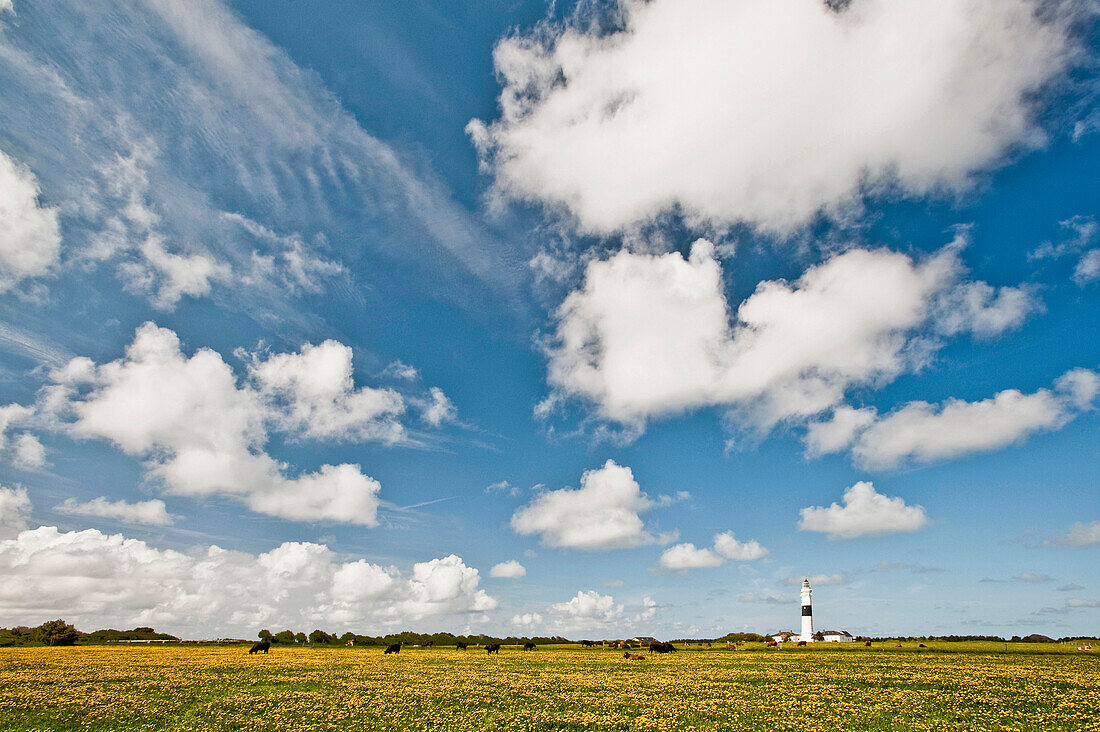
521	318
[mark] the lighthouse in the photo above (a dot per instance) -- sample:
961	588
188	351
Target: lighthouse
807	613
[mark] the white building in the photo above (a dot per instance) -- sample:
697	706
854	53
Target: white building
836	636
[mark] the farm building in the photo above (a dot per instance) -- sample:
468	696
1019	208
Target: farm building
644	640
836	636
785	636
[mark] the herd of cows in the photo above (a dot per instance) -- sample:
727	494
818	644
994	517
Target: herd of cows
265	646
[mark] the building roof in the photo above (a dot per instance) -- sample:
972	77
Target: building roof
836	632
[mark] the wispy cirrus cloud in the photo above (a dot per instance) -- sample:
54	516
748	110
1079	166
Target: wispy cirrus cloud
184	150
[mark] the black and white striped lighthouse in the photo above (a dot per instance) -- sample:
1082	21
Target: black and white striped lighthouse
807	613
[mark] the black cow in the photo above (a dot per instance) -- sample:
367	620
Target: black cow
492	648
392	648
460	646
922	646
662	648
528	646
588	644
261	647
429	644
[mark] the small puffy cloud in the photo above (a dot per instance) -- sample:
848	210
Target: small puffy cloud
438	409
865	513
602	514
527	620
100	580
502	487
985	311
740	551
401	370
30	233
1032	578
792	350
1081	534
837	432
28	451
15	509
317	390
508	570
768	111
1071	587
152	512
588	609
923	432
686	556
169	276
202	431
726	546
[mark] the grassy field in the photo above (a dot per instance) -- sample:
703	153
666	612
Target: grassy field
964	686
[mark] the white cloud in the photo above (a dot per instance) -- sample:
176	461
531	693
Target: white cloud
240	135
865	513
202	433
837	432
318	392
686	556
29	452
152	512
400	370
527	619
1083	534
602	514
97	580
765	110
503	487
1032	578
30	234
985	311
1081	233
726	546
24	450
588	609
508	570
439	409
740	551
792	351
923	432
15	509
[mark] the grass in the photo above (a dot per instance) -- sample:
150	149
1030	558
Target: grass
962	686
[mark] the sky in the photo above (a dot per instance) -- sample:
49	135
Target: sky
595	319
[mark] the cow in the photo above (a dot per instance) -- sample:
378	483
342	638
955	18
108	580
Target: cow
492	648
633	656
801	643
922	646
528	646
588	644
708	645
262	647
392	648
662	648
771	643
460	646
429	644
867	644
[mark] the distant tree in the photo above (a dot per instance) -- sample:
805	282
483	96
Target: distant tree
300	637
320	636
283	636
55	633
265	634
